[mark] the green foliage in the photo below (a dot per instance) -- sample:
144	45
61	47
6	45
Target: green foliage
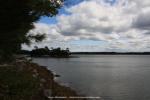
16	19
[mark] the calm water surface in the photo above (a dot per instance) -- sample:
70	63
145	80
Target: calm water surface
112	77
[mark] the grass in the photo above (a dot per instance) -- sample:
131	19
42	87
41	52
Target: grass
17	85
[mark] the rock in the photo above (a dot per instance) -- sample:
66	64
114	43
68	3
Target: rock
42	80
35	71
41	85
57	75
35	75
47	92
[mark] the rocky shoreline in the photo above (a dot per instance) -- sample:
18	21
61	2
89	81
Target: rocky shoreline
48	87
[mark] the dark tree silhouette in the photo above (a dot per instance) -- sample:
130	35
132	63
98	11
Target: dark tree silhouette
67	49
36	47
16	19
57	52
46	47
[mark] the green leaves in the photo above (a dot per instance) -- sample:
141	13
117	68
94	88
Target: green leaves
16	19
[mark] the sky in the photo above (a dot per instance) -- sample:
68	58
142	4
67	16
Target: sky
97	26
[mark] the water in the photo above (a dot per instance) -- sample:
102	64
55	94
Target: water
112	77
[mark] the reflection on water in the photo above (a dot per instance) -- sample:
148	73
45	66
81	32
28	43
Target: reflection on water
113	77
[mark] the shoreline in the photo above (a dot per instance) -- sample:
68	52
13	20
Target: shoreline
50	88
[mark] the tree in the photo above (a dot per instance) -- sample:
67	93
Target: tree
46	48
67	49
17	18
35	47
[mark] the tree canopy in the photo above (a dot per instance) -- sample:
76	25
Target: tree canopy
17	18
41	52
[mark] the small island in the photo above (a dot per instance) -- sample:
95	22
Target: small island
46	52
20	78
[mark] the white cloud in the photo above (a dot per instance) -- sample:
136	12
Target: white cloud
125	25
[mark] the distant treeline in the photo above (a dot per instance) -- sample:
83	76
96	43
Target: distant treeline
57	52
112	53
53	52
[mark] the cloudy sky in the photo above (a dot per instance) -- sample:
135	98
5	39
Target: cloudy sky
98	25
